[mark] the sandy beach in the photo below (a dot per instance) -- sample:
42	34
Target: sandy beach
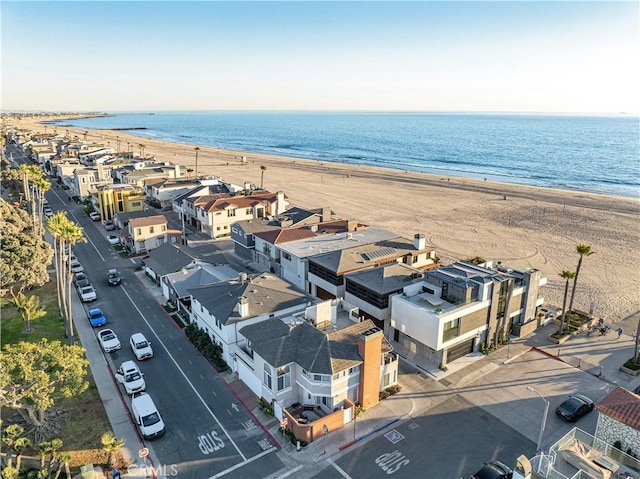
461	218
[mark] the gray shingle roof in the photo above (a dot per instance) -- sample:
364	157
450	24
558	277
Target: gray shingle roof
168	258
186	279
265	294
313	350
386	279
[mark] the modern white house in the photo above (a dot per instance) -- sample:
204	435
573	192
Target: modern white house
458	307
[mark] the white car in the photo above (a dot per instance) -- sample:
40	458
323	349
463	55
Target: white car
131	377
108	340
94	215
47	212
140	346
76	267
88	294
113	239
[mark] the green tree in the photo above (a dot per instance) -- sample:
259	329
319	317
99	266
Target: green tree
566	275
583	250
197	149
142	146
85	135
28	307
24	255
35	376
476	260
110	444
40	187
12	435
263	169
63	462
72	234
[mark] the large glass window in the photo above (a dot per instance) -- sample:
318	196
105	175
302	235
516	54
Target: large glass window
266	376
451	329
284	378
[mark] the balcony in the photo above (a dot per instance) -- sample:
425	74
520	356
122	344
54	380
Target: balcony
390	357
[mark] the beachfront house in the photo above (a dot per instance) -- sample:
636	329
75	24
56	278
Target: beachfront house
184	203
162	191
215	217
85	181
243	232
457	308
221	309
313	375
112	199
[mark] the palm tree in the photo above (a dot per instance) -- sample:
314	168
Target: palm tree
110	444
263	168
197	149
583	250
85	135
567	275
29	308
142	146
71	234
41	187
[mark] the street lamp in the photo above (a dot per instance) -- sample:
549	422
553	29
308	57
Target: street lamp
544	418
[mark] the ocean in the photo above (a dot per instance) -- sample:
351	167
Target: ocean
596	154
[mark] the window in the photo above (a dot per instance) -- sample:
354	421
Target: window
247	211
135	203
163	228
266	376
138	231
284	378
286	256
451	329
317	377
231	212
151	229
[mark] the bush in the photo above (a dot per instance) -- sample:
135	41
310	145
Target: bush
266	407
631	364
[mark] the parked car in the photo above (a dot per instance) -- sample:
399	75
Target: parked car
88	294
575	407
81	280
113	239
94	215
114	277
76	267
493	470
146	416
96	318
47	211
140	346
131	377
108	340
109	226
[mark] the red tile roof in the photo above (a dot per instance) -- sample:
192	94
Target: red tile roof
623	406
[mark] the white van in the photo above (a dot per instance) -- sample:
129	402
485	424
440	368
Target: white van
146	416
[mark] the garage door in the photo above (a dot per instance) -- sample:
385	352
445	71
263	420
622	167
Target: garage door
246	375
459	350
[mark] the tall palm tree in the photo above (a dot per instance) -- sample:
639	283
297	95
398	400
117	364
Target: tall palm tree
85	135
263	168
55	226
583	250
197	149
567	275
142	146
71	234
41	186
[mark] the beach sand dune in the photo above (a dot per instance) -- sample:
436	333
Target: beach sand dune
524	227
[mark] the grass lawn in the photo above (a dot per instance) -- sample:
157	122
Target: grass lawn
87	419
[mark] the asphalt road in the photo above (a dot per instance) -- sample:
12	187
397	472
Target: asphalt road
453	440
208	430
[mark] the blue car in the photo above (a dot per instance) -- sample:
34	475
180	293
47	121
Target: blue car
96	318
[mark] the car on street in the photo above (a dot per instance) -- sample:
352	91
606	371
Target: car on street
113	239
81	280
574	407
96	318
140	346
493	470
109	226
113	277
88	294
47	211
108	340
130	377
94	215
76	267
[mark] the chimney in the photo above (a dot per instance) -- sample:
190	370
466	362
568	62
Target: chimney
243	307
243	278
325	214
370	349
352	224
419	241
280	205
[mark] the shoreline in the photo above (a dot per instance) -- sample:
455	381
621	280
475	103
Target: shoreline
533	227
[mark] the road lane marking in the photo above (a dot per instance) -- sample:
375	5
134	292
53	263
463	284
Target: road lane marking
246	461
187	379
339	469
292	471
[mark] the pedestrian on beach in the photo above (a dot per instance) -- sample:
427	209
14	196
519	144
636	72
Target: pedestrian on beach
620	331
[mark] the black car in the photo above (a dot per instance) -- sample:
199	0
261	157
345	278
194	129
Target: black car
493	470
114	277
81	280
575	407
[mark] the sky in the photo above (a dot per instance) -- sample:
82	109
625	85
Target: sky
548	56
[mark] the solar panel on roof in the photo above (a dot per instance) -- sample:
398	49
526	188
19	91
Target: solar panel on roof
379	253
